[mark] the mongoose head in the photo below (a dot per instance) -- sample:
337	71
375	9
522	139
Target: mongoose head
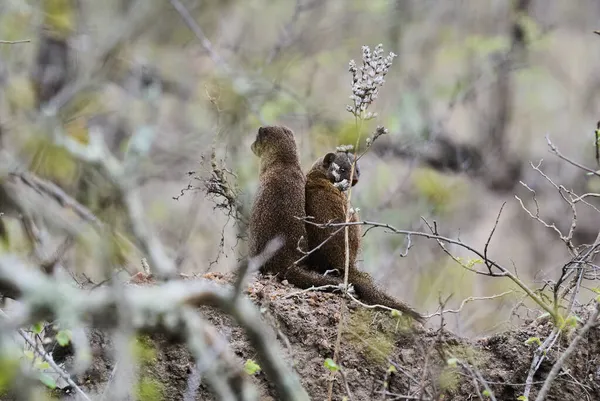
275	142
338	167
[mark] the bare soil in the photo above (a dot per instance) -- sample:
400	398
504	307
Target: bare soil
306	324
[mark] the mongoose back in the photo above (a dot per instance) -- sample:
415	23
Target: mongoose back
278	204
326	202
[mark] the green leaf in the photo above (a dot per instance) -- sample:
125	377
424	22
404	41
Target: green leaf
392	369
533	340
63	337
487	393
42	365
522	398
251	367
452	362
331	365
29	354
572	321
395	313
48	381
37	328
474	262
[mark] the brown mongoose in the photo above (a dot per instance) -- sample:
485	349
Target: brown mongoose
277	204
326	202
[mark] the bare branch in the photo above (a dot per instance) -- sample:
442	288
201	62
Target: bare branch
555	150
14	42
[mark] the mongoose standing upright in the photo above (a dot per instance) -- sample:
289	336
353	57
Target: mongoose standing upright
278	204
326	202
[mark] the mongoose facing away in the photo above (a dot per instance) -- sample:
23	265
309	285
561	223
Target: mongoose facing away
277	204
325	202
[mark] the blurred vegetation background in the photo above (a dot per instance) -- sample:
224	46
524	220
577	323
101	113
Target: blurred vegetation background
183	85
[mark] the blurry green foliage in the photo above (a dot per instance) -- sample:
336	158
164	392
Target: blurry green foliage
460	50
466	353
76	113
63	337
385	175
51	161
8	370
158	210
225	102
531	29
482	46
149	389
14	26
251	367
60	16
449	379
441	278
143	349
13	239
593	184
347	133
373	7
373	333
439	190
48	381
274	110
19	93
541	87
331	365
119	249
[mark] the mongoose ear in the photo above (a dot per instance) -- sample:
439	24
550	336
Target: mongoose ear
328	159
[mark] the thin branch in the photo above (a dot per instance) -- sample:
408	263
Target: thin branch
199	33
48	358
555	150
14	42
253	264
467	300
504	272
538	357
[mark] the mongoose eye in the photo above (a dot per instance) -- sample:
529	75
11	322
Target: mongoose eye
342	170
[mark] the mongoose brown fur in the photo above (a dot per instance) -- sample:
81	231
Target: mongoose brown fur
277	204
326	202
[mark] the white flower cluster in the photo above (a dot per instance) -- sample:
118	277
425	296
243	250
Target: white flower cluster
367	79
354	210
344	148
380	130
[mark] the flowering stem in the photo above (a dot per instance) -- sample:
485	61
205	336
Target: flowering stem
358	121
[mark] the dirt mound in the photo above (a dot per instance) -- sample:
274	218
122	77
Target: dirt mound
379	352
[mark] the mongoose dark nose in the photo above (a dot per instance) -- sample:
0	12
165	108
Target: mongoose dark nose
354	180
